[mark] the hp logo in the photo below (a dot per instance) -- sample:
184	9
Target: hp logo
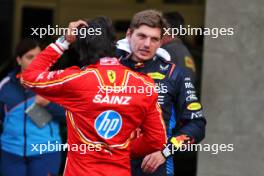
108	124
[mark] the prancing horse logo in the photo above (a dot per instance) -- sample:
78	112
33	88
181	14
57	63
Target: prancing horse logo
111	75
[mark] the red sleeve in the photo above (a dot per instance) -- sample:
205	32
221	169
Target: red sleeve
50	84
153	137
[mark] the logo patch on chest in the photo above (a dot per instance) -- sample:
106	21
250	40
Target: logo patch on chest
164	68
108	124
111	75
156	75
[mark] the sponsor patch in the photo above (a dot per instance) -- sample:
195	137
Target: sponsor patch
196	115
194	106
179	140
189	63
156	75
191	97
108	124
164	68
189	85
191	92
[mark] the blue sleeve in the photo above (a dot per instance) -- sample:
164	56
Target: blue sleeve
188	107
57	112
2	115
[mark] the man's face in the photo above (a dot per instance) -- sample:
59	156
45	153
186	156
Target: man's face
144	41
28	57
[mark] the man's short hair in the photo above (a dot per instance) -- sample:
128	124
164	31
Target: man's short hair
151	18
174	19
93	47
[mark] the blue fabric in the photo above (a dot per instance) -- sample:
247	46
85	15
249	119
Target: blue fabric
41	165
170	166
20	133
172	124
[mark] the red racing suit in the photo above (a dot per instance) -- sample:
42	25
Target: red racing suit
100	113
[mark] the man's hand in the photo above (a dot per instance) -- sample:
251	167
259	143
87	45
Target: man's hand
152	161
70	37
41	101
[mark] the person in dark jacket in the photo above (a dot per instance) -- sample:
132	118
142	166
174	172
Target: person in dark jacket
174	45
177	95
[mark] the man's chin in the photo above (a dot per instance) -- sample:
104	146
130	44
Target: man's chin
145	58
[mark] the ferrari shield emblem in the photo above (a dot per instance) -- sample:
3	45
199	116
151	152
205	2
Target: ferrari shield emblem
111	75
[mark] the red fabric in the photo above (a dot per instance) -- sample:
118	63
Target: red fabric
76	90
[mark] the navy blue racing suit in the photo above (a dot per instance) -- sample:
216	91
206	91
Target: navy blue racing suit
178	100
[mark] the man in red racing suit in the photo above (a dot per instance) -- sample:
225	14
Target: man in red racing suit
101	111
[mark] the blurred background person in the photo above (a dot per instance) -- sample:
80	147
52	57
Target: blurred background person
173	44
20	133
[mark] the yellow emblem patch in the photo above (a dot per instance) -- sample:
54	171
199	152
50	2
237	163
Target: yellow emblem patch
194	106
175	142
156	75
189	63
111	75
179	140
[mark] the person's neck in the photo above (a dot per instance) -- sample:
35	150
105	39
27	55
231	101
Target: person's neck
134	58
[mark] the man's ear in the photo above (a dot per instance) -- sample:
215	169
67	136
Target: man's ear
128	33
18	59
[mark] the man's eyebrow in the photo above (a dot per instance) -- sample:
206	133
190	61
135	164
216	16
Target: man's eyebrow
156	38
142	34
145	35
